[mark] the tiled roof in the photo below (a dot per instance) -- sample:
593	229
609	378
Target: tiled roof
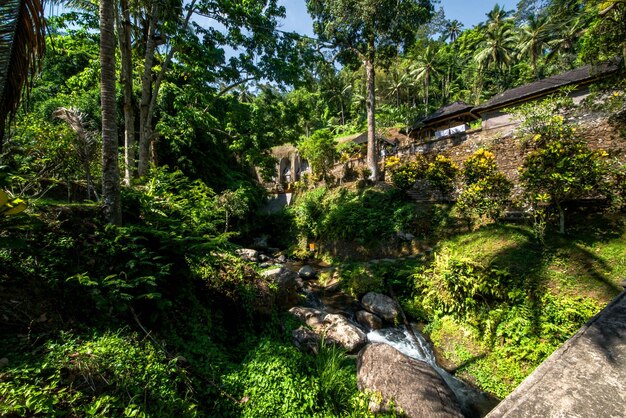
580	75
445	112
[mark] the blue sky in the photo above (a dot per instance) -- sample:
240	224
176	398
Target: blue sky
468	12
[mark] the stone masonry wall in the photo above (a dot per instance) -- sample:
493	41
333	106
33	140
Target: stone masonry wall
509	152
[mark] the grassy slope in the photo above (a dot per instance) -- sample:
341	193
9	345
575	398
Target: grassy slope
581	272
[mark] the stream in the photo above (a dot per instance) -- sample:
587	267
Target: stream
474	403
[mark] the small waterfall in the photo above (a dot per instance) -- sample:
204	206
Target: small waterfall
474	402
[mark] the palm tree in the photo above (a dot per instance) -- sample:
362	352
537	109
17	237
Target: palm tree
534	39
110	168
397	80
498	17
565	33
425	67
452	30
496	51
22	43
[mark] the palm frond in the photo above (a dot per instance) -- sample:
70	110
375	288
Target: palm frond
22	43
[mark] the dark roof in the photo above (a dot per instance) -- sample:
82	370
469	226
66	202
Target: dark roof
580	75
447	112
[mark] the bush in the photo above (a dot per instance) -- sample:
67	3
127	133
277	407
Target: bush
404	176
441	174
110	374
479	165
461	288
278	380
486	197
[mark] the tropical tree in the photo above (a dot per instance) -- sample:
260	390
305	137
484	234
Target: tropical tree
498	17
535	39
426	66
565	32
369	30
560	165
110	169
606	37
320	150
497	50
452	30
22	43
84	144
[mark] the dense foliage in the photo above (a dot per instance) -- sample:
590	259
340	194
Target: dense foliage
159	317
486	191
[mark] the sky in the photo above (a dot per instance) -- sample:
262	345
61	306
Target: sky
467	12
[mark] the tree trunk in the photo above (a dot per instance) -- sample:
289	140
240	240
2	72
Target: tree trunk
426	92
153	93
87	178
110	169
124	29
372	155
343	116
146	95
561	219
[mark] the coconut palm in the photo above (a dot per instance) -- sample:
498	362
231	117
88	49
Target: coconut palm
22	43
498	48
110	167
566	32
424	68
452	30
534	39
498	17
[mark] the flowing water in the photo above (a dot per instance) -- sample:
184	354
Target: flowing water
473	402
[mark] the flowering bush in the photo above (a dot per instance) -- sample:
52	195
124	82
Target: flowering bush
487	190
478	166
441	174
486	197
404	176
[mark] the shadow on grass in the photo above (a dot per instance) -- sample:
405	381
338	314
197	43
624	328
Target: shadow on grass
533	265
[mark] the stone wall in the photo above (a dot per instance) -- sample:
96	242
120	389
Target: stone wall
509	151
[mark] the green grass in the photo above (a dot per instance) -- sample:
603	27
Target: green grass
551	291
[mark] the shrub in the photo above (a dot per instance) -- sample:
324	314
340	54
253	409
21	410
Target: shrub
404	176
109	374
441	174
486	197
479	165
278	380
461	288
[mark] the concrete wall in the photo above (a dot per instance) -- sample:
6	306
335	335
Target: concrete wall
498	118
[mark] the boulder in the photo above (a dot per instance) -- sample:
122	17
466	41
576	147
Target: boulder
334	328
413	386
248	254
264	258
307	273
340	331
381	305
287	284
405	236
369	320
282	258
306	340
314	318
